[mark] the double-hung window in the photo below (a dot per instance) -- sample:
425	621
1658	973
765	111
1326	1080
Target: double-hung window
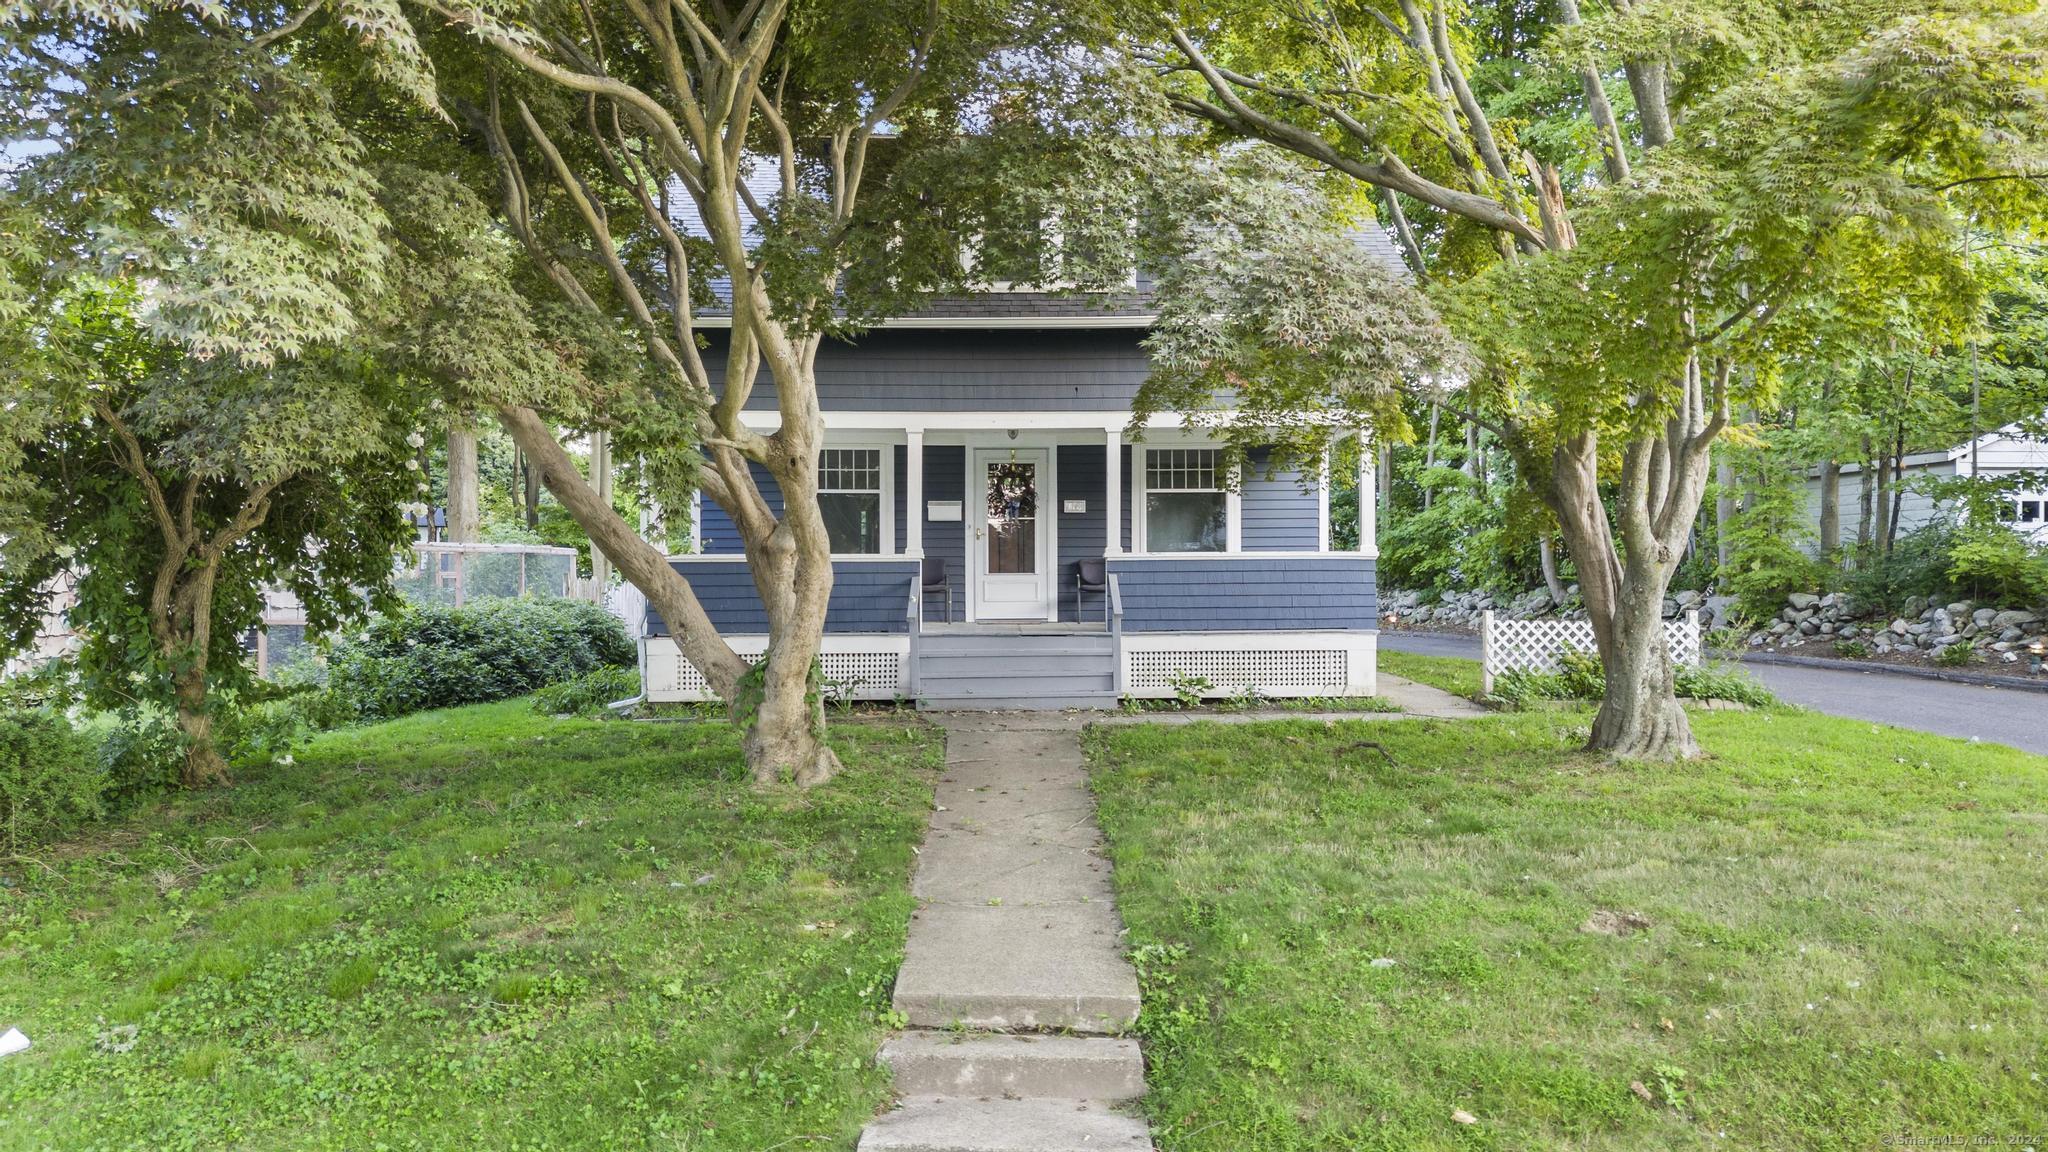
850	498
1186	506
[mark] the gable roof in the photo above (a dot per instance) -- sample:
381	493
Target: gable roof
1001	309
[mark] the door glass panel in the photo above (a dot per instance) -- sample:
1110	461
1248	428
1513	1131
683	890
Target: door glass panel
1012	518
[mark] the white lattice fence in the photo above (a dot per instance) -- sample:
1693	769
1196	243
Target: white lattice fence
1539	645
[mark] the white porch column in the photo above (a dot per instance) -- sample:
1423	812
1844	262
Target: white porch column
1368	497
1323	502
1113	488
913	494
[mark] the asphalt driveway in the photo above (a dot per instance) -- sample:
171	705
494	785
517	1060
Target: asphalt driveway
1998	715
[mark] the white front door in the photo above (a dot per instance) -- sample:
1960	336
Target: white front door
1010	495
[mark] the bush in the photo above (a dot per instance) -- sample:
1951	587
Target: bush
50	780
586	695
1957	655
433	657
1580	677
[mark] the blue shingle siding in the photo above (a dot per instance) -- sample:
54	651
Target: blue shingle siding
1246	594
1278	515
867	596
945	478
1079	474
1082	370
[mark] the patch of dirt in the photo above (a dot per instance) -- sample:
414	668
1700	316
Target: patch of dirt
1605	923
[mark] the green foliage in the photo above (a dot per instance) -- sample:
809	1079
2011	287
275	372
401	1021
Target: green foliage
1992	564
1458	543
1768	539
1260	867
50	781
1958	655
1579	676
496	925
435	657
586	695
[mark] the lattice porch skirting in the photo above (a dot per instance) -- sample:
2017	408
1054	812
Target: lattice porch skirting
866	667
1538	645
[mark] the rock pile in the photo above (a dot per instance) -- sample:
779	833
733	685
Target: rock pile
1460	610
1922	628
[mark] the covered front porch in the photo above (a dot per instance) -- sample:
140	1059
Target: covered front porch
1001	557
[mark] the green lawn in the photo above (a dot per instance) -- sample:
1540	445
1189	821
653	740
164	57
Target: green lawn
1456	676
1847	934
472	929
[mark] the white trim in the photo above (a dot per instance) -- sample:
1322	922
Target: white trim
1084	320
913	494
887	446
937	424
741	558
976	496
1323	505
1368	497
1270	554
1113	493
1233	499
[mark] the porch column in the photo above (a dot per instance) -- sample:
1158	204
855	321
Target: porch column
913	494
1323	502
1113	489
1368	497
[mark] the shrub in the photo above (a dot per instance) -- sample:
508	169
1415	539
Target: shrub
1957	655
434	657
1580	677
1720	682
1852	649
50	781
586	695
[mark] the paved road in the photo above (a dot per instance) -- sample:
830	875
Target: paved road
2000	715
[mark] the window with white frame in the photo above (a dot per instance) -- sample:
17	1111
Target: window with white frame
850	498
1187	508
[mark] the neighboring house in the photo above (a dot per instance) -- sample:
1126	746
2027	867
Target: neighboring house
983	439
2004	452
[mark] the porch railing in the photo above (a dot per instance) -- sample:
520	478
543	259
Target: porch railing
914	625
1116	632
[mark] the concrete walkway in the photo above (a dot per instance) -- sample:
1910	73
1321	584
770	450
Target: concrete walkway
1014	980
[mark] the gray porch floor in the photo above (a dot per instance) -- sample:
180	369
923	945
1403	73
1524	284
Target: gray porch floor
1016	628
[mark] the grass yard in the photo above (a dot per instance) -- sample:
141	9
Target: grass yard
478	928
1846	938
1454	675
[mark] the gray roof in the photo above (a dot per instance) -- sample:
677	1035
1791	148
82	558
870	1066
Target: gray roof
1131	309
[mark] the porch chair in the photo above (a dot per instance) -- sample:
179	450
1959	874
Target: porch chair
1091	576
933	579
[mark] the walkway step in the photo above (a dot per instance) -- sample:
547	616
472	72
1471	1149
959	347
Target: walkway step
1003	702
1017	967
940	1064
961	1124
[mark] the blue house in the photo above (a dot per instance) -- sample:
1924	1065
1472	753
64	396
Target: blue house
1001	542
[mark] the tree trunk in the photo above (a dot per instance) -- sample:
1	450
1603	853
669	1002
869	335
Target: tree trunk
465	522
1880	531
1639	714
185	633
1429	453
1724	516
1663	479
1546	555
777	706
203	766
1863	497
1830	507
